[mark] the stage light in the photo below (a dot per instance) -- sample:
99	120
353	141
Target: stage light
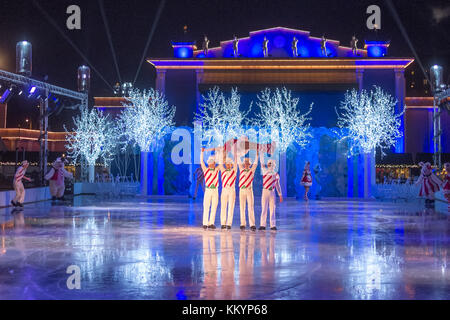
6	96
32	90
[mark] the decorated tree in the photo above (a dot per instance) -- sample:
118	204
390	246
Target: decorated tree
369	121
220	117
92	138
281	121
146	119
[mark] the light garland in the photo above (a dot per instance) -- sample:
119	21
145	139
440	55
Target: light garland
147	119
280	121
369	121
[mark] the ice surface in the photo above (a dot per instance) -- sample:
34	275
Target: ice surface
154	248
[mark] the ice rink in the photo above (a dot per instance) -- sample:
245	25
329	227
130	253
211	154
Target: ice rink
154	248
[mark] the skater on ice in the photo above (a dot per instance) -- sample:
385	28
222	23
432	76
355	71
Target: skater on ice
446	183
18	184
211	197
246	199
306	180
429	183
56	177
228	196
271	182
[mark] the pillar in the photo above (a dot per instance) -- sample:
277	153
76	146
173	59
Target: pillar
283	174
400	96
161	80
359	78
3	114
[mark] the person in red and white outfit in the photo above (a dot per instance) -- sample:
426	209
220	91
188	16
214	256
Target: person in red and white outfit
429	182
211	197
228	196
199	181
18	185
271	182
56	177
306	180
246	176
446	183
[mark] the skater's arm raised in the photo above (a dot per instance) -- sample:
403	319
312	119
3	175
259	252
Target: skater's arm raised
202	162
255	163
263	166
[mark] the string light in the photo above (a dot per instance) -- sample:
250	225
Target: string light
369	121
280	120
147	118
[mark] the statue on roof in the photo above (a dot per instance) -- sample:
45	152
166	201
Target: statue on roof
354	45
235	47
205	46
294	47
265	45
323	46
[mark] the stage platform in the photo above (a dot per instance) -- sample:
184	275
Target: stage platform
154	248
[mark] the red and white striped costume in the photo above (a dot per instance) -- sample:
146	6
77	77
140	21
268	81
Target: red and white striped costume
246	197
211	197
446	184
228	196
271	182
429	183
18	185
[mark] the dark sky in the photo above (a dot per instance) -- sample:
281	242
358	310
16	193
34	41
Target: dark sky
131	21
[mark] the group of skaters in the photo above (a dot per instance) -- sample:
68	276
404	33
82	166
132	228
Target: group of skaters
55	176
230	171
430	183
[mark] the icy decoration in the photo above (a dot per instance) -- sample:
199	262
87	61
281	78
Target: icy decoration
146	118
281	121
369	121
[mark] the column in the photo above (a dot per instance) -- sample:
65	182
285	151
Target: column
161	80
359	78
400	96
199	76
3	114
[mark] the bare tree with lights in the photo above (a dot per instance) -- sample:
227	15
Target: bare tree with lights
280	119
369	121
90	138
146	119
220	117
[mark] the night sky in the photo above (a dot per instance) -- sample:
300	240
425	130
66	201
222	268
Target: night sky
427	23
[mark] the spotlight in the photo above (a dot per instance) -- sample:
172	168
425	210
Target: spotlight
32	90
5	96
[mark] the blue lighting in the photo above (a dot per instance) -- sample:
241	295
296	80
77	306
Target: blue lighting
5	96
182	52
32	90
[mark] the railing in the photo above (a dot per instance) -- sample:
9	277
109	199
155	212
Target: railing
109	186
395	191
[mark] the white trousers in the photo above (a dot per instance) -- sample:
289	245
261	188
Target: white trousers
56	190
227	199
210	200
268	202
246	198
20	192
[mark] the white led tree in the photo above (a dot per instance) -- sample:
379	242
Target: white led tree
146	119
90	138
280	119
369	121
220	117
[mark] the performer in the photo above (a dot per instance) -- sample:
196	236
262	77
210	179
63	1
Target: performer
429	183
446	183
354	45
56	177
211	197
271	181
236	47
306	180
205	45
228	196
246	176
265	47
323	46
199	181
294	47
18	185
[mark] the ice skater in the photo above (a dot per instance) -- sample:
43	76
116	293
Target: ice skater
56	177
306	180
446	183
246	176
294	47
265	47
228	196
211	196
271	182
18	185
235	47
323	46
354	45
199	181
429	183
